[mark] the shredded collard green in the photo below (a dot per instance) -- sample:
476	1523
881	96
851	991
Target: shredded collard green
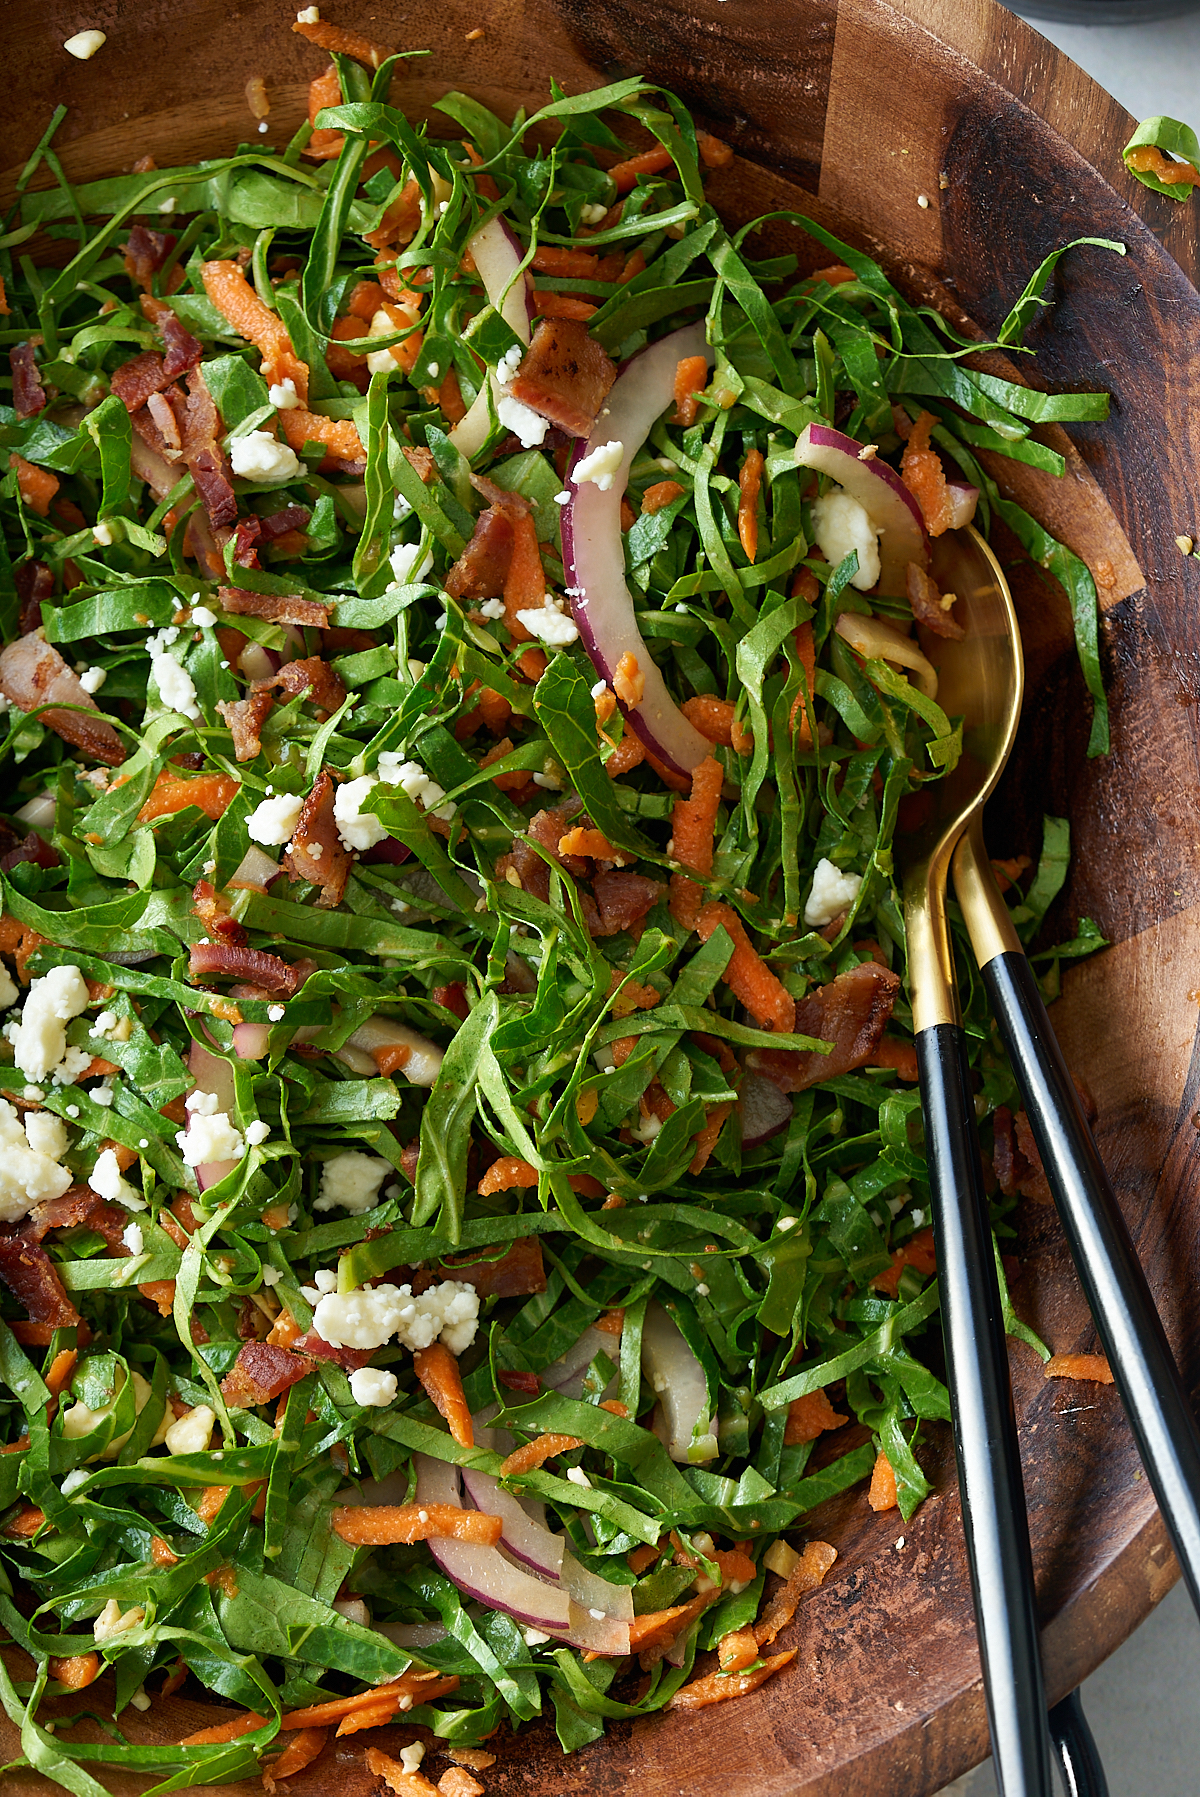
584	1057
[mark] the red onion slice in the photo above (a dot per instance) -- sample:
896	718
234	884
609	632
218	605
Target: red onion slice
527	1541
567	1374
673	1371
963	500
212	1074
881	640
424	1059
594	553
766	1111
250	1040
497	256
884	497
254	872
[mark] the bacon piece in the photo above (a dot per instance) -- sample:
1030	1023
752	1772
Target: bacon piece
34	582
79	1207
33	673
212	908
311	676
512	503
852	1012
255	532
29	396
134	381
31	847
246	718
145	253
1033	1182
623	899
202	453
261	1373
320	1349
315	852
183	350
30	1276
482	569
277	608
929	607
517	1380
150	457
922	473
565	375
233	961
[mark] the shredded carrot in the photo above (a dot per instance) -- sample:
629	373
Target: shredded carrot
175	1679
338	435
404	1784
366	297
922	473
802	636
415	1682
299	1753
629	682
629	753
891	1052
380	1525
735	1564
5	308
450	398
26	1523
649	162
809	1417
882	1495
542	1448
525	590
77	1671
749	485
211	1500
747	974
691	377
693	821
719	1687
1079	1366
224	1731
210	793
237	302
836	275
917	1252
663	492
507	1174
659	1628
340	42
706	1138
712	717
639	1558
438	1372
160	1293
1149	160
37	486
61	1368
628	996
808	1572
563	305
714	151
162	1553
456	1783
377	1715
484	182
737	1650
554	259
613	1405
595	843
324	90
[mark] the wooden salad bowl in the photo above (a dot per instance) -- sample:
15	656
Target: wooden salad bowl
850	112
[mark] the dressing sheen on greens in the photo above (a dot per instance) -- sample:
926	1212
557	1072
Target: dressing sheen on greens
406	1012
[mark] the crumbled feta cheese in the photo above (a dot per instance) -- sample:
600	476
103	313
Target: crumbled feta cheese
550	782
357	829
549	624
84	45
492	608
325	1280
434	370
8	988
563	498
101	1094
259	456
526	424
103	1024
203	617
408	564
832	893
276	1013
27	1174
447	1312
841	524
271	1275
578	1477
176	687
534	1637
282	394
133	1238
92	679
105	1178
787	1223
369	1385
702	1290
111	1622
601	466
205	1103
72	1110
508	364
273	820
593	213
352	1181
256	1133
102	535
39	1038
190	1434
33	1094
75	1062
311	15
599	690
140	1700
167	205
411	1757
208	1139
74	1479
46	1134
411	778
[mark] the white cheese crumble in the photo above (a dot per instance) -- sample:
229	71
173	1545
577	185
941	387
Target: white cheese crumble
412	779
578	1477
175	685
8	988
133	1238
202	616
258	456
411	1757
311	15
271	1275
208	1139
273	820
84	45
508	364
46	1134
405	558
190	1434
282	394
832	893
105	1179
549	624
102	535
841	524
534	1637
352	1181
28	1174
276	1013
563	498
103	1024
357	829
74	1479
39	1037
593	213
524	423
447	1312
370	1385
256	1133
601	466
492	608
101	1094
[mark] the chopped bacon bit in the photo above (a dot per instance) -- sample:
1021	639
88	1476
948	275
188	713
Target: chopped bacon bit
210	793
518	1380
212	908
32	1278
237	302
276	608
564	375
233	961
134	381
203	454
316	852
37	486
380	1525
507	1174
338	436
261	1372
882	1495
929	607
340	42
624	175
437	1369
33	674
29	395
516	1273
26	1523
1149	160
1079	1366
852	1012
536	1452
922	473
809	1417
311	676
691	377
749	485
693	821
34	582
747	974
145	253
482	569
246	718
663	492
622	900
563	305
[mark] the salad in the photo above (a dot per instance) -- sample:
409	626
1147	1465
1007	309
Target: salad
462	1204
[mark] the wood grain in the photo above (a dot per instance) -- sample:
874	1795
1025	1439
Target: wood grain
851	109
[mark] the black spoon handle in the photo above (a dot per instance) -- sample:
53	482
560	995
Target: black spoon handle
1154	1395
1083	1773
985	1434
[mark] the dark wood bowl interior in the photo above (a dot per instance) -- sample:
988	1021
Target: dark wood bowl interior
849	112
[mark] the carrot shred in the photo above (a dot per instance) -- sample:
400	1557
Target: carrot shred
162	1553
299	1753
415	1682
372	1716
714	151
484	182
210	793
737	1650
809	1417
747	974
802	636
224	1731
438	1372
338	435
693	821
922	473
836	275
61	1368
707	1137
691	377
649	162
456	1783
237	302
882	1495
663	492
77	1671
404	1784
578	841
211	1500
507	1174
535	1452
5	308
555	259
1079	1366
917	1252
382	1525
1148	159
629	753
719	1687
37	486
26	1523
324	90
749	486
808	1572
712	717
563	305
341	42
